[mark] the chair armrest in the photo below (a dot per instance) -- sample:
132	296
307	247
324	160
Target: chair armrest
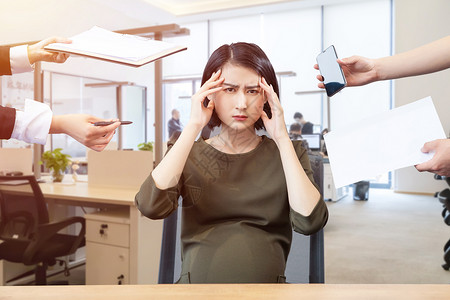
46	231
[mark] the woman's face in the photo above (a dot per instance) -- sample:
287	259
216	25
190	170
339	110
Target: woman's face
241	101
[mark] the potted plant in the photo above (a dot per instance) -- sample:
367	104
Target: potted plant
146	146
56	162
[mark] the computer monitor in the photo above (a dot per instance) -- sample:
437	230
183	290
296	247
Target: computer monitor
317	128
313	141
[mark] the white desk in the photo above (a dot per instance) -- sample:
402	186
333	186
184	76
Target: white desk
329	189
145	235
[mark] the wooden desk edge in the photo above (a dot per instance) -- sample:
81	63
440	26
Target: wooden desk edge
230	291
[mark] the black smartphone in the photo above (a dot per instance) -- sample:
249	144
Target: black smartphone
331	71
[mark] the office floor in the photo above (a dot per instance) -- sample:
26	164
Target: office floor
391	238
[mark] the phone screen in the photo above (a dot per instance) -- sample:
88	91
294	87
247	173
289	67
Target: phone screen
333	77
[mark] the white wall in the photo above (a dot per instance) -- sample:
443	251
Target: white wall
30	20
419	22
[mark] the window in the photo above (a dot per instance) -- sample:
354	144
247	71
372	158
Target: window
177	95
371	38
292	40
72	94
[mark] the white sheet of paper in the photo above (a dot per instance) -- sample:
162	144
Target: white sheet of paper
99	40
383	142
104	42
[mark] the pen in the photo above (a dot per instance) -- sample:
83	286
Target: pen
110	122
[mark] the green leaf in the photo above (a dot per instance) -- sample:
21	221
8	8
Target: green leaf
145	146
55	160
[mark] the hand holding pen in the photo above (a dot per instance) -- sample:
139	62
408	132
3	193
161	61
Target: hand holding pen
107	124
80	127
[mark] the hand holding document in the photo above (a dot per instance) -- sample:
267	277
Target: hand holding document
382	143
111	46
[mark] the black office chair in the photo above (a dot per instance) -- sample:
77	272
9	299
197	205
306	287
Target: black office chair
28	236
316	161
444	197
316	241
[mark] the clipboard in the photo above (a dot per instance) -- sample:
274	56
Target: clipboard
102	44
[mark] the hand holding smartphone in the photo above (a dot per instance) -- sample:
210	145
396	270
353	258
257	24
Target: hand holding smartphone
331	71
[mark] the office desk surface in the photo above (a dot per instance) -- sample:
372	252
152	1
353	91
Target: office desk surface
81	191
228	291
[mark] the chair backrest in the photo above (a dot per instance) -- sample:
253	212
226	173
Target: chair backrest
22	207
306	259
316	242
317	168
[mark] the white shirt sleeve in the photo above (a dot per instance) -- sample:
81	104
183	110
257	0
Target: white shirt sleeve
18	57
33	124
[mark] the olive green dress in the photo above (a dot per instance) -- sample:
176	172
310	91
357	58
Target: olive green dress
236	219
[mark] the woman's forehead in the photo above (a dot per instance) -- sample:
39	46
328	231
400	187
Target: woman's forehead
239	75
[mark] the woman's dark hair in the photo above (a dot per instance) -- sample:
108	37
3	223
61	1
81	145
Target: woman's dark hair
245	55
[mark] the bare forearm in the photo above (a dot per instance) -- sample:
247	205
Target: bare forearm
57	125
426	59
168	172
303	195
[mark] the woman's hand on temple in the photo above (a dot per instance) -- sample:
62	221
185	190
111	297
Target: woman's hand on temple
200	115
275	126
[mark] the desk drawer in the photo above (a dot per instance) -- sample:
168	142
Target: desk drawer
108	233
107	264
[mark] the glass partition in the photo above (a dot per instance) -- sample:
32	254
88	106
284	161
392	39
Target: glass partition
177	95
101	98
133	108
73	94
